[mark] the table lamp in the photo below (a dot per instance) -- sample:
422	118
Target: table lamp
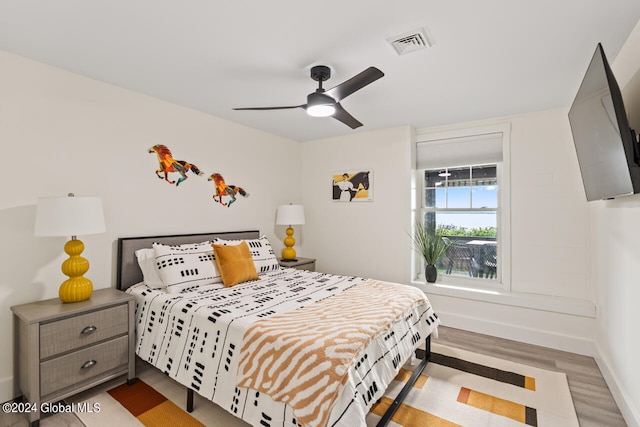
289	215
71	216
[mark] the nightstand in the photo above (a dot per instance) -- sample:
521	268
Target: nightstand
300	264
64	348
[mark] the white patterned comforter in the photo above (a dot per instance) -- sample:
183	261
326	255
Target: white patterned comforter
195	338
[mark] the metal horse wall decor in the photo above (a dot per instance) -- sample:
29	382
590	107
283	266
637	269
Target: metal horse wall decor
224	189
169	164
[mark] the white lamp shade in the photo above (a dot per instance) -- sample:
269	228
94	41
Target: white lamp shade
69	216
290	215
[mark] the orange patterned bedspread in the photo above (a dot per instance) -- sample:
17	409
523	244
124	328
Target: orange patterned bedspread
302	358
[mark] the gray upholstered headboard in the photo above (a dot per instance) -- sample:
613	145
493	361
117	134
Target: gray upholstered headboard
129	273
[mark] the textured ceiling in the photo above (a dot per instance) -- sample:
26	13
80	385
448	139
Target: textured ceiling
488	59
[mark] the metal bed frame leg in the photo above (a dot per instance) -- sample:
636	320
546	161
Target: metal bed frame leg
189	400
407	387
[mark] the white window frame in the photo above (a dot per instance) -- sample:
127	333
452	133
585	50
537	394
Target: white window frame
503	281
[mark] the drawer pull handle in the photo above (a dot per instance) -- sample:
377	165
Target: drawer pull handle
88	364
88	330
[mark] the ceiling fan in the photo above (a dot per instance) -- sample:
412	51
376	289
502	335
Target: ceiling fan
324	103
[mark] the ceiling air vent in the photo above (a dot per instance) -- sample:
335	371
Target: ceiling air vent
410	41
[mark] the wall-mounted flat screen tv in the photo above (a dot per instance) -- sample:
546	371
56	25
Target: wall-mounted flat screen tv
607	148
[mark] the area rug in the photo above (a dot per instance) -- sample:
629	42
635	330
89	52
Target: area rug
461	388
150	407
458	388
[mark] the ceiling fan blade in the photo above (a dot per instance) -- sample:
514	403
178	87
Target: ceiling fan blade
271	108
355	83
346	118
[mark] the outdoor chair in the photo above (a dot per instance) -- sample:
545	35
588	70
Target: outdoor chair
486	262
459	257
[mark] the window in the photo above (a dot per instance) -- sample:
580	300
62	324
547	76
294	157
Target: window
461	204
461	192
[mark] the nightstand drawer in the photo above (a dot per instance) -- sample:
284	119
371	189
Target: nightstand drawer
84	365
78	331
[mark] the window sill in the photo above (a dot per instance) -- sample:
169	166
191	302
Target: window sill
563	305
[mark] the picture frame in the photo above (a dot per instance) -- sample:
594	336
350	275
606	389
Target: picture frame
352	186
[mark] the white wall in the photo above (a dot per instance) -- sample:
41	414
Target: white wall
615	243
359	238
63	133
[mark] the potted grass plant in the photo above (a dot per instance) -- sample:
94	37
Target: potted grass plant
431	246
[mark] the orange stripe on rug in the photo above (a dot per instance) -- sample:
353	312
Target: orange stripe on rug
408	416
404	375
151	408
498	406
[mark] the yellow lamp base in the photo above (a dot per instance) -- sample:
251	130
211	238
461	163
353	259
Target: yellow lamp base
77	287
288	253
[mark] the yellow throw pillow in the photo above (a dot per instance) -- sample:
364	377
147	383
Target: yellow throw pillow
235	263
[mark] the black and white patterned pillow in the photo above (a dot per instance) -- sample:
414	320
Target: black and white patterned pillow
183	267
264	258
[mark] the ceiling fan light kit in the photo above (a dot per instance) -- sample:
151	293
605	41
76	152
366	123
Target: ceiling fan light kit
320	105
325	103
321	110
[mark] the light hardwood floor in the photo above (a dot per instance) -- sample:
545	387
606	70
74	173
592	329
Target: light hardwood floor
591	396
592	399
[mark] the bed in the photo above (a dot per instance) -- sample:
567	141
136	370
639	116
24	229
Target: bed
287	348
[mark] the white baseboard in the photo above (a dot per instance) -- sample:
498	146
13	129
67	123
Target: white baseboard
630	412
519	333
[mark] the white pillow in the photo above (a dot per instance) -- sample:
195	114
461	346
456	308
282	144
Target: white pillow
264	258
184	267
147	262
